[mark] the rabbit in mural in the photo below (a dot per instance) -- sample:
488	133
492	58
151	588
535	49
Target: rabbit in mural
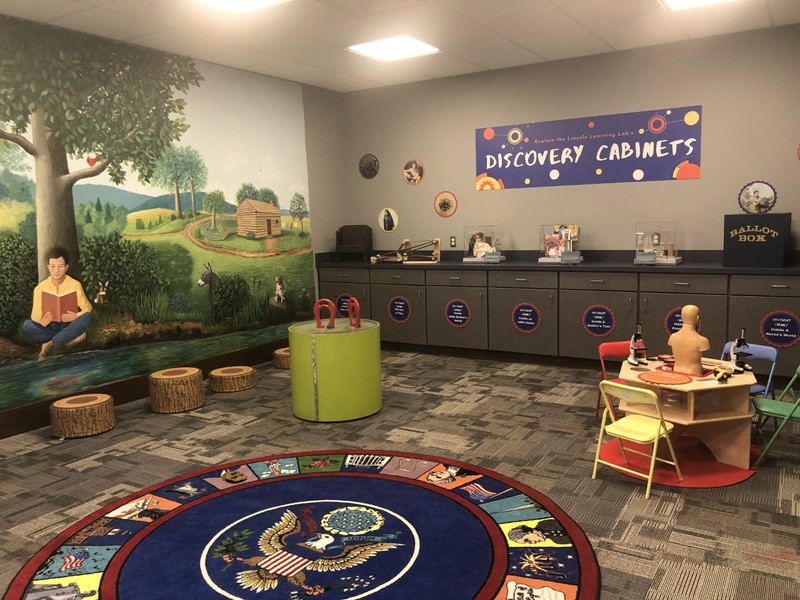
102	294
210	279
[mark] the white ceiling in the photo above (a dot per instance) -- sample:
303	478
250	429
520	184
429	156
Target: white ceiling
305	40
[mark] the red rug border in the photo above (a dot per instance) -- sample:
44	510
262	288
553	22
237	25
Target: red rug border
590	578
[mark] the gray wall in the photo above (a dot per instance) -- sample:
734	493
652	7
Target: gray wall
748	85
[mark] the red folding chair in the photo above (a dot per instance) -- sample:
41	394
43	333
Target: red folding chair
610	350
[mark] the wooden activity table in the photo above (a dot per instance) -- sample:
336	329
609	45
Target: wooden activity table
717	414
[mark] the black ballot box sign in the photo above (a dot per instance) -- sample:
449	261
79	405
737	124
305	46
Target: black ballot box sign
757	240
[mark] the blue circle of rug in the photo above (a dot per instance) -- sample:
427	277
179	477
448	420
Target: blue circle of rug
336	524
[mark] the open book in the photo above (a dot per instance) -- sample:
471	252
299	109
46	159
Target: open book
58	304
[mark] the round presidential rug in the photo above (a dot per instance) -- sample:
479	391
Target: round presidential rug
336	524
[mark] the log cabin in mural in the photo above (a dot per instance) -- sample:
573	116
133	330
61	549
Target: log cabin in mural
261	219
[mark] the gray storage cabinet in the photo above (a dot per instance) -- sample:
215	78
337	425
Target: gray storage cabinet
661	297
338	284
594	308
768	307
398	304
457	308
523	312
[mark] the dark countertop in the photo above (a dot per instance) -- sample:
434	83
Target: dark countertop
699	262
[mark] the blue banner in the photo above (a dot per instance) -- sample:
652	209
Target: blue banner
652	145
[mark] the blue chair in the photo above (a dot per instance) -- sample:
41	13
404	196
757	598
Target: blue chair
758	353
783	410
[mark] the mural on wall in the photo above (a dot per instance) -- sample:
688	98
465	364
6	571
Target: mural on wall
177	191
640	146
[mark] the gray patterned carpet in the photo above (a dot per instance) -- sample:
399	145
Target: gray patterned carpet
528	420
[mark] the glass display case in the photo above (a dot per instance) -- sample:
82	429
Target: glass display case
560	244
483	244
656	243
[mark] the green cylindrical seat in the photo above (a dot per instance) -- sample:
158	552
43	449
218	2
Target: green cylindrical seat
335	372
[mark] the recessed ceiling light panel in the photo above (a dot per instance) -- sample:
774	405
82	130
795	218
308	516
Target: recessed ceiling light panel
394	48
686	4
240	6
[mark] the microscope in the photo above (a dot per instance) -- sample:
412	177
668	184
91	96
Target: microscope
638	355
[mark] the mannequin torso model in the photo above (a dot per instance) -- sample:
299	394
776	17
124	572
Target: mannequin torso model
688	345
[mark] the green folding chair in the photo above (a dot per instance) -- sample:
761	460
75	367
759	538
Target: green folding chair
782	411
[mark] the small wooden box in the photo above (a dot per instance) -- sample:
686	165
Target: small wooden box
757	240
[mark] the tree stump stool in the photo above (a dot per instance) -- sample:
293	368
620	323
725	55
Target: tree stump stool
280	358
176	390
231	379
80	416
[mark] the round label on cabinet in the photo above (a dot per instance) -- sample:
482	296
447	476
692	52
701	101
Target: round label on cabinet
526	317
399	309
457	313
599	321
781	329
674	322
341	304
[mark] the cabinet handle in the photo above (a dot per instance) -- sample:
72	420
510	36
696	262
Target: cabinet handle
419	293
683	283
597	281
551	300
480	295
454	278
645	305
630	304
521	279
344	275
396	276
779	286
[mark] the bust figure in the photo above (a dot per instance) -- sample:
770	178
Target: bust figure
688	345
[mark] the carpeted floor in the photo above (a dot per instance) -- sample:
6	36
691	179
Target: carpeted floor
531	421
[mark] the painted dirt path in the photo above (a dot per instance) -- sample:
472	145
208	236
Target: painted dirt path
189	235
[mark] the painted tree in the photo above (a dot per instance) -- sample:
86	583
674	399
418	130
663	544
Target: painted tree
298	209
169	174
66	94
195	173
214	202
267	195
12	157
246	190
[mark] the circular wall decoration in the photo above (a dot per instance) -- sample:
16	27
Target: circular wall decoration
388	219
445	204
757	197
413	171
368	166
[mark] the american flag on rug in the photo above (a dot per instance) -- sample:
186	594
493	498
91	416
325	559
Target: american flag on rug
284	563
73	561
477	492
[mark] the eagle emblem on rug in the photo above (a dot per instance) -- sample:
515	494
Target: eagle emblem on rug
294	546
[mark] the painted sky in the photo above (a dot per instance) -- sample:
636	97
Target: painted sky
248	128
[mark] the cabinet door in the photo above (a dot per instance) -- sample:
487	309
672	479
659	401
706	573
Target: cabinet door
588	318
659	315
523	320
769	321
457	317
400	309
340	292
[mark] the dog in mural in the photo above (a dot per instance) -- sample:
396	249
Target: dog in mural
280	290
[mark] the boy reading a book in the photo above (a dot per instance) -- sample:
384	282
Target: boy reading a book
61	311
